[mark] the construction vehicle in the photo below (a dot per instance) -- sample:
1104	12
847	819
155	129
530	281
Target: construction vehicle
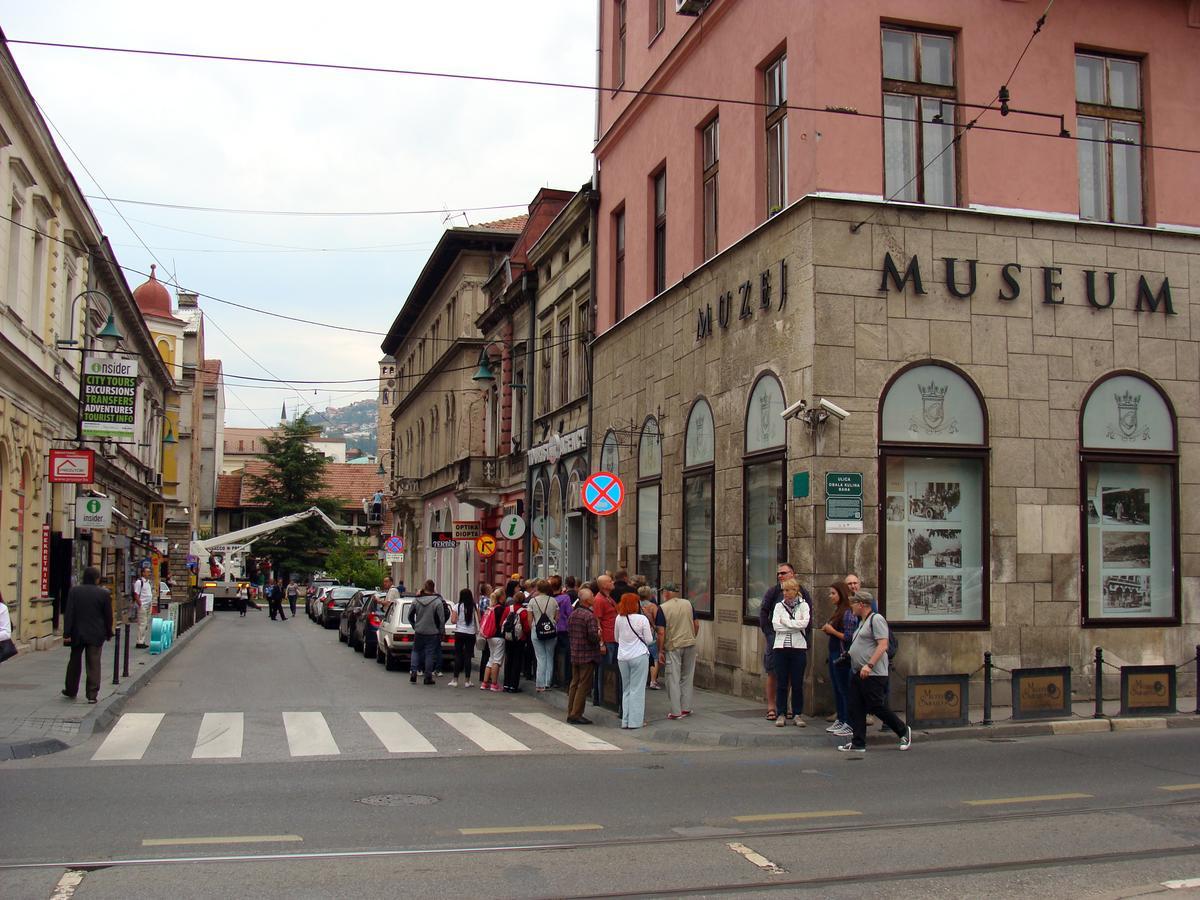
229	578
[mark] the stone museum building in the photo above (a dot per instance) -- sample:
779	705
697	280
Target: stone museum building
889	317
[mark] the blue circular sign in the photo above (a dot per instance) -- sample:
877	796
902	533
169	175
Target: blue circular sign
603	493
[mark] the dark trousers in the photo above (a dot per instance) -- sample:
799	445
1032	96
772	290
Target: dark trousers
869	695
790	664
74	664
276	606
610	657
581	683
424	653
514	662
464	653
562	651
292	604
484	656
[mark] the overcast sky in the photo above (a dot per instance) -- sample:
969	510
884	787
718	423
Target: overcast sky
268	137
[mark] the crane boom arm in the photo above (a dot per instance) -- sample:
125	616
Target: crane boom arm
200	549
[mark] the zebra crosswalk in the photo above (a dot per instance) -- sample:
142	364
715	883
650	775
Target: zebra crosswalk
179	737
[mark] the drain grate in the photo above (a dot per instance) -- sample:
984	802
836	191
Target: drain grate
398	800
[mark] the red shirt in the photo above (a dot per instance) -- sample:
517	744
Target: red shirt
606	611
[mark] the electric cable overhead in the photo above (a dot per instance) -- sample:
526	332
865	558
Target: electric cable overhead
452	210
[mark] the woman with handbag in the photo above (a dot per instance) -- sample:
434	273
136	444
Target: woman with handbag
634	636
8	648
840	629
790	619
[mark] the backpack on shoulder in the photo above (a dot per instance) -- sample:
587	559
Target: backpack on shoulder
487	625
512	626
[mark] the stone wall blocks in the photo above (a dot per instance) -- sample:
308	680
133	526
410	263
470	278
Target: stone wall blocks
908	339
1055	231
1086	255
951	341
1020	335
1004	560
1014	227
989	340
1044	345
1028	377
836	245
1065	395
1003	508
997	250
1029	530
1082	322
1005	418
871	341
870	310
992	381
1034	417
1060	529
1158	358
1060	368
1056	463
961	245
1034	568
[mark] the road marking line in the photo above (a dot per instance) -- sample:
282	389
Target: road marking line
220	736
396	734
1179	787
573	737
228	839
308	734
130	737
529	829
1179	885
758	859
67	885
783	817
1002	801
481	733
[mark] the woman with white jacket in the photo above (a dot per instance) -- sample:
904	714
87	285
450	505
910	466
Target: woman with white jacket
790	619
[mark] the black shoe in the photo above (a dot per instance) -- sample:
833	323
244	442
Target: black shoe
518	690
429	680
68	695
412	677
576	721
584	720
141	646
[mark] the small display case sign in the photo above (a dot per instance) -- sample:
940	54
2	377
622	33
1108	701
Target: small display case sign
1043	693
1147	690
938	700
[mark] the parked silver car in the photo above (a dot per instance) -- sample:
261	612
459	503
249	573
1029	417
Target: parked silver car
394	640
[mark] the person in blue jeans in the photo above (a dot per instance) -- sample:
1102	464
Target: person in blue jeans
427	615
634	635
840	628
790	619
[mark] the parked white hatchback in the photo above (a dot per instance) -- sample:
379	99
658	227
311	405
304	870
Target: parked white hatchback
395	636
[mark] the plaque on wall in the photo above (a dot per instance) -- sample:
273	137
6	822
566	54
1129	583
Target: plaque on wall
727	651
1043	693
1147	690
938	700
732	616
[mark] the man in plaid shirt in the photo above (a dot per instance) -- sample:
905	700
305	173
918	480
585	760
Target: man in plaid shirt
583	633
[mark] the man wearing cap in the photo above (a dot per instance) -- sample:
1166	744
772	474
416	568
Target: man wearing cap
868	678
677	621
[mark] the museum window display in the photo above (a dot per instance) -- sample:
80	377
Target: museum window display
764	510
698	475
649	495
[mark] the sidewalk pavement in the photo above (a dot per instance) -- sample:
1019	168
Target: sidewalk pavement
722	720
36	719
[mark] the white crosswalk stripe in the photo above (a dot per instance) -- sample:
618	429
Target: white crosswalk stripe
227	736
130	737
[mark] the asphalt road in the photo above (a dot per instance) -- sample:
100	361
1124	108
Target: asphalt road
1114	814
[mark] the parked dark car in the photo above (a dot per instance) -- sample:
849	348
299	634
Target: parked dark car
314	601
350	615
365	635
334	604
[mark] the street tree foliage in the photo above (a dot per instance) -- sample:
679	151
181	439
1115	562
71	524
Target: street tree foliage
292	481
349	564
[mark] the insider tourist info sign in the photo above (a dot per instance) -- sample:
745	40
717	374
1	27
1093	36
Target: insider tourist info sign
109	397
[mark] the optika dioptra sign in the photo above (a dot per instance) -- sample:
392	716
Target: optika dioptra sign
1099	288
108	397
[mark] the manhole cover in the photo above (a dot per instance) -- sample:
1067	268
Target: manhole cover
399	800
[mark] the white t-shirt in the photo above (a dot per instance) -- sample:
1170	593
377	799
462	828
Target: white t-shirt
633	634
143	590
460	620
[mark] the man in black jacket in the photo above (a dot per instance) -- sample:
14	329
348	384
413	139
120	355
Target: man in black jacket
87	624
774	594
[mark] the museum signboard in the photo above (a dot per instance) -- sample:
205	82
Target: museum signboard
1041	693
938	700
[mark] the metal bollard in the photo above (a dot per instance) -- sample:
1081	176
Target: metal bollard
125	668
117	656
1099	713
987	687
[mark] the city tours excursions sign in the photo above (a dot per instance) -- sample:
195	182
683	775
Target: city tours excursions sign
1098	296
108	397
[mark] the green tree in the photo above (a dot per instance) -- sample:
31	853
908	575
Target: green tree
292	483
351	563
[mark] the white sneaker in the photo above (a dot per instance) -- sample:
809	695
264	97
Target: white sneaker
453	684
844	730
850	748
468	684
832	729
906	741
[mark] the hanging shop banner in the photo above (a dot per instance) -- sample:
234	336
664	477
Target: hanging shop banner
1043	693
72	466
442	540
45	559
1147	690
935	700
93	512
108	397
467	529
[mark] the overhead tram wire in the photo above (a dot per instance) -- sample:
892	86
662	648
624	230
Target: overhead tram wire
828	109
287	212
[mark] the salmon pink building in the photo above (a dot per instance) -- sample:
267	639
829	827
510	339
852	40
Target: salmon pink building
905	288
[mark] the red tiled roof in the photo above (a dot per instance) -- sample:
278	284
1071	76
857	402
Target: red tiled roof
344	482
229	491
513	224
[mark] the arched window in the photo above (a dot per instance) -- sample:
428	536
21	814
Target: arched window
698	509
607	526
764	513
538	520
555	530
649	496
933	478
1130	491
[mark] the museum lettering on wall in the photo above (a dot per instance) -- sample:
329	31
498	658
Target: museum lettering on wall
751	296
1098	288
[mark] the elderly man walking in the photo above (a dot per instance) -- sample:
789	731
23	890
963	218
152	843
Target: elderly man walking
677	619
583	632
87	624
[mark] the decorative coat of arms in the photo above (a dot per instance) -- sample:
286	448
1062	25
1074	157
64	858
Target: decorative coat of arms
933	411
1126	428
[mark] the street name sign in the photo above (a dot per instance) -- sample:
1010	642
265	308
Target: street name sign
843	484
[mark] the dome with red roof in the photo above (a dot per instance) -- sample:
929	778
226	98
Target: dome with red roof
152	298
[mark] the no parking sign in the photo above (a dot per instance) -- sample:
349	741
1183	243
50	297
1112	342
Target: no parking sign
603	493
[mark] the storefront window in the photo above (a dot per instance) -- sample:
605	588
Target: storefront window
698	509
555	532
764	511
648	497
933	477
1130	485
538	520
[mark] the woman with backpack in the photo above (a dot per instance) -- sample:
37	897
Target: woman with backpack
840	629
466	623
543	613
634	636
516	637
491	628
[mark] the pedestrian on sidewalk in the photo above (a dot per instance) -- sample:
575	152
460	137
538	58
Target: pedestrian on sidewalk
766	609
492	628
649	608
543	614
789	620
427	615
840	628
87	624
143	596
515	632
679	630
634	634
583	631
604	606
8	648
564	595
465	619
868	677
293	594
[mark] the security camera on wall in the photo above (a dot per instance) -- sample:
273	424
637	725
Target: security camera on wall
795	409
833	409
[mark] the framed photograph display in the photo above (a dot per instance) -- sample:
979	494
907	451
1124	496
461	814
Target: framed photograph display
934	499
1129	505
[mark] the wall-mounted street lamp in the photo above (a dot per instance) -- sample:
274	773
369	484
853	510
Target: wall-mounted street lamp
484	376
110	335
